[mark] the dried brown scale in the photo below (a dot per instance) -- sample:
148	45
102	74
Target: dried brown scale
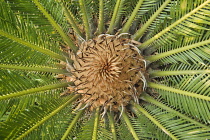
106	69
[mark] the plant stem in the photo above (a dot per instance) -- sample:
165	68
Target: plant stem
178	91
34	90
96	122
41	68
167	73
85	19
114	16
101	17
111	121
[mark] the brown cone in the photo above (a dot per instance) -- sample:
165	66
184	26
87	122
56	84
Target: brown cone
109	71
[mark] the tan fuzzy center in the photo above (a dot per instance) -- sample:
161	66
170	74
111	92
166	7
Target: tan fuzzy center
109	72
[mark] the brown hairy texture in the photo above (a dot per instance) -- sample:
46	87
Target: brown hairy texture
108	71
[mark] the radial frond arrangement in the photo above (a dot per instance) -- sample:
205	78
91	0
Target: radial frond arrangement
96	69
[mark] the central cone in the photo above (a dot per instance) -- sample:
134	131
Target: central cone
109	72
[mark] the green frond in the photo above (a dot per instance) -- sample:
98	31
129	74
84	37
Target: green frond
123	13
187	67
71	19
32	68
200	79
189	93
12	53
104	133
140	32
177	27
190	55
18	83
108	10
53	128
56	26
176	128
101	17
163	106
153	18
155	121
182	69
132	17
28	10
129	125
40	115
147	8
16	29
25	43
96	124
33	90
184	72
112	126
115	16
181	49
71	125
145	128
21	80
13	106
49	21
90	127
182	92
37	38
86	18
123	131
140	126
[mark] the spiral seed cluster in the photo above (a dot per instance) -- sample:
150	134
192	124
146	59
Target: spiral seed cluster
109	72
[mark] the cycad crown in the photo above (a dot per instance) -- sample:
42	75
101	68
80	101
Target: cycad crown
109	72
148	79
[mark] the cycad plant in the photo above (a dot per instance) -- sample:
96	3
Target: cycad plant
104	69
